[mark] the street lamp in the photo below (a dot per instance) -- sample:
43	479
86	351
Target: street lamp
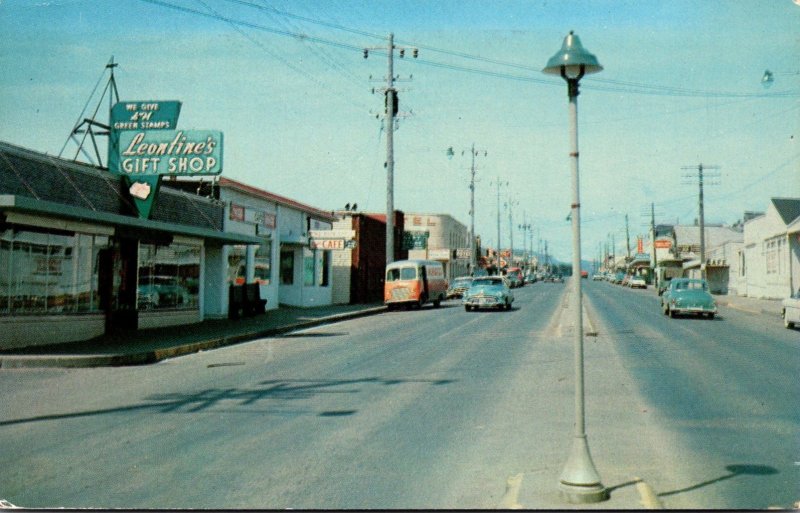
579	481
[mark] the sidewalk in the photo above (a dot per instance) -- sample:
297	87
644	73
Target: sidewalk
152	345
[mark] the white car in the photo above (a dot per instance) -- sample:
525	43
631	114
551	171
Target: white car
637	281
791	310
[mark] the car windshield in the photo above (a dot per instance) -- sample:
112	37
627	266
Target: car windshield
497	281
691	285
402	273
462	282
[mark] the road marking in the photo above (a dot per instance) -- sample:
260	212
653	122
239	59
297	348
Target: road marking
511	496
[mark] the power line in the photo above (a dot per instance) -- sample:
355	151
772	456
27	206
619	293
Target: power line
596	84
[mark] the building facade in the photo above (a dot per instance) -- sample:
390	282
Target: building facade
447	242
76	260
770	259
288	269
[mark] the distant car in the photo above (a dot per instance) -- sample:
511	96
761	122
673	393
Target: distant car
488	292
791	310
459	286
515	278
637	282
618	277
597	277
688	296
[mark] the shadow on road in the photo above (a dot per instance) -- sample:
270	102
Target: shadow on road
733	471
277	390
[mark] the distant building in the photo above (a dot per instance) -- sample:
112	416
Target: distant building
447	242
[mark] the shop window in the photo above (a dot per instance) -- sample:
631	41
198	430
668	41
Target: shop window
263	262
237	259
169	277
287	267
309	263
47	272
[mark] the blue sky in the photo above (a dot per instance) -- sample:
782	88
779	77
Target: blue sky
681	86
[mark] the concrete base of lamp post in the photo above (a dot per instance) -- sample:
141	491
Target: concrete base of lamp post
579	482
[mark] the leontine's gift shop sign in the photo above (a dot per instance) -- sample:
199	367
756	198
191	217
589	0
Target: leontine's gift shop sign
170	152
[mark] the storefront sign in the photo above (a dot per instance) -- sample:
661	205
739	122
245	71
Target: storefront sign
439	254
145	115
332	234
329	244
663	244
415	240
463	253
170	152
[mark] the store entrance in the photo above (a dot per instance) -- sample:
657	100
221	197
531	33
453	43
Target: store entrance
117	272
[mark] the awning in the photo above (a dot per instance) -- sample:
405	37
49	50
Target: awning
25	204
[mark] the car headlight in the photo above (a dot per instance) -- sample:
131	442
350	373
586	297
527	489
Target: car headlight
499	295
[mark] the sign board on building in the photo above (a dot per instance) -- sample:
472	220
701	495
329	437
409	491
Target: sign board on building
170	152
415	240
145	115
463	253
331	244
332	234
439	254
663	244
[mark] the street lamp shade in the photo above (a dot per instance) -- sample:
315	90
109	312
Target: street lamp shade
571	58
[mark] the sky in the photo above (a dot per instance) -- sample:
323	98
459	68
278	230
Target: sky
287	84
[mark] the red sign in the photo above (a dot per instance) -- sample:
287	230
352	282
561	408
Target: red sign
639	245
663	244
237	212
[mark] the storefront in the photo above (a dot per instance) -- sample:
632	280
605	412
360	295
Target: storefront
77	262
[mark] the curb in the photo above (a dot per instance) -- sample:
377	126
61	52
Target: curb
156	355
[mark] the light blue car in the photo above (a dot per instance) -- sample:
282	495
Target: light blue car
488	292
688	296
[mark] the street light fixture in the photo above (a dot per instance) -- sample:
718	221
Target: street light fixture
579	482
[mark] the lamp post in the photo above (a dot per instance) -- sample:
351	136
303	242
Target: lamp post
579	481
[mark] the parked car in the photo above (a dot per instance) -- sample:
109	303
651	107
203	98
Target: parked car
161	292
637	282
488	292
515	278
687	295
791	310
459	286
618	277
597	277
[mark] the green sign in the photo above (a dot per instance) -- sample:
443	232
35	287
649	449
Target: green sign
139	115
170	152
145	115
415	240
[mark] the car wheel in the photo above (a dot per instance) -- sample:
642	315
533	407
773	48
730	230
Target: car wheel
711	316
467	308
672	313
664	309
437	303
787	323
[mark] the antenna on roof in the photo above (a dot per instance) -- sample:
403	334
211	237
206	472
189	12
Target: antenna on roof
87	126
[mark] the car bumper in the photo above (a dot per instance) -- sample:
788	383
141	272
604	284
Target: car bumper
484	302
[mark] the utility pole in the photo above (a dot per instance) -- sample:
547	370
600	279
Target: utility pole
653	241
498	183
702	222
510	204
627	238
390	112
472	248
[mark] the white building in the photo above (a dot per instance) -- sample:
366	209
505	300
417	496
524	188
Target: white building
289	271
770	259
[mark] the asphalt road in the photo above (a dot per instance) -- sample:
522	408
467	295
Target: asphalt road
423	409
724	390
